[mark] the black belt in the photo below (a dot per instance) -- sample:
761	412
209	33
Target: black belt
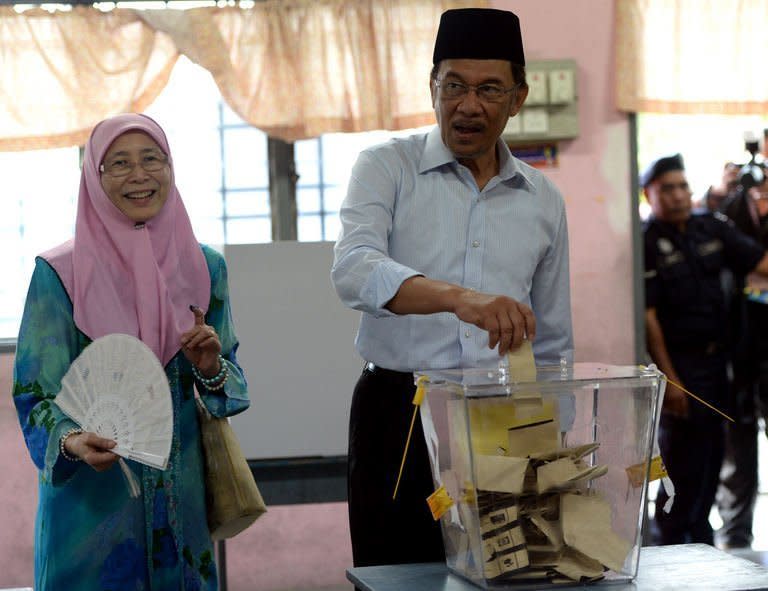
374	369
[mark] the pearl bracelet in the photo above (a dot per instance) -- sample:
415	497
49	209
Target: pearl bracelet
216	382
62	449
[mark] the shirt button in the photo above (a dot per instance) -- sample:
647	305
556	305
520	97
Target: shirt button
466	333
475	243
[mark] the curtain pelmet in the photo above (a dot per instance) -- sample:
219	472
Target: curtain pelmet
299	69
62	73
295	69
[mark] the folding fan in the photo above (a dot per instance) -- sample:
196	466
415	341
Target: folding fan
117	388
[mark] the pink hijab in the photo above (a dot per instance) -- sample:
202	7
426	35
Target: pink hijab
127	278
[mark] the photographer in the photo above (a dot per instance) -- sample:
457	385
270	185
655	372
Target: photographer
717	195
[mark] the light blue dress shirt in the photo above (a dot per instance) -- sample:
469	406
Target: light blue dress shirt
412	209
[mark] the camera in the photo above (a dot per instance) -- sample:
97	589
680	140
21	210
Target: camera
752	173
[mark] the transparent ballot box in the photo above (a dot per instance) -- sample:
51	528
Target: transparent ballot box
541	482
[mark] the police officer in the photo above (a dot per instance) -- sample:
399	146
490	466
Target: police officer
686	327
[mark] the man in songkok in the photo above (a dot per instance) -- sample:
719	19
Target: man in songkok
455	252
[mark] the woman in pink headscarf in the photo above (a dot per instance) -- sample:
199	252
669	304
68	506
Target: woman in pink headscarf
133	267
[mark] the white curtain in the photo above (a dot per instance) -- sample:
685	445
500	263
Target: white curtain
692	56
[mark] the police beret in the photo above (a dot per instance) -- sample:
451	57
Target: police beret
659	166
479	33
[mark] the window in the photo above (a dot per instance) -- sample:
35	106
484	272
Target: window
246	216
39	202
324	166
220	162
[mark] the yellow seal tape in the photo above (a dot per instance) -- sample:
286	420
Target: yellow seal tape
439	502
636	473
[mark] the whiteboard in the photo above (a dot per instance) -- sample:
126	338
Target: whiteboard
296	349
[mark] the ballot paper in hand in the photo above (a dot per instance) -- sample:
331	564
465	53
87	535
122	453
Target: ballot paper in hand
522	367
117	388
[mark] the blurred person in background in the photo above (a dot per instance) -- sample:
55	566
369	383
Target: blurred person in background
718	194
748	209
686	332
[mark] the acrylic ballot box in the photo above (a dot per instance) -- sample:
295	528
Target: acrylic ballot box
541	482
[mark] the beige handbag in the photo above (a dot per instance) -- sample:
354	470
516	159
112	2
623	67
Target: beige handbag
232	498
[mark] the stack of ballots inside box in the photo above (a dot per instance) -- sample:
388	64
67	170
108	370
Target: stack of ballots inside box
540	484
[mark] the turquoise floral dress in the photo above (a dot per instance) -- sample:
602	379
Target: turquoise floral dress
89	533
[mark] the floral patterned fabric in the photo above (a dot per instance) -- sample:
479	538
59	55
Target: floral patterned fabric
89	533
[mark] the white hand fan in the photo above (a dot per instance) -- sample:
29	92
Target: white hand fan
118	389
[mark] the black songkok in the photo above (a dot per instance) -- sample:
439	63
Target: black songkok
658	167
479	33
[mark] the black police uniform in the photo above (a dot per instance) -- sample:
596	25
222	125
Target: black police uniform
682	282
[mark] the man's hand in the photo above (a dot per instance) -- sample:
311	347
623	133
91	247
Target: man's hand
675	402
507	321
201	345
92	449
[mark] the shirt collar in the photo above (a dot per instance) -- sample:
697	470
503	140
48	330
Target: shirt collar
437	154
510	167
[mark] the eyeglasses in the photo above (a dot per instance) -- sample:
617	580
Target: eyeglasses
490	93
119	166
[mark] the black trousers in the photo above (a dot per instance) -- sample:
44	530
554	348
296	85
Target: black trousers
383	530
692	450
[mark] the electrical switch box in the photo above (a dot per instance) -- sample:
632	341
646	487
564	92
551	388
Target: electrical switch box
561	90
550	111
537	88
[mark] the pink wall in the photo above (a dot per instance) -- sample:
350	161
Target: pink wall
593	173
18	491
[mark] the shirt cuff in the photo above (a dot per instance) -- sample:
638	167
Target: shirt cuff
383	283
